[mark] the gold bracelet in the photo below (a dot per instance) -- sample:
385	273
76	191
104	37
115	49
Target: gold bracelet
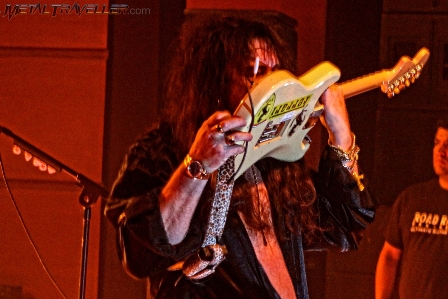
346	156
349	156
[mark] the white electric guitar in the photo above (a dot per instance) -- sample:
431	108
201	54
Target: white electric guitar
285	107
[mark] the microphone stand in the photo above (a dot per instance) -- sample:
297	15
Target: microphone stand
89	195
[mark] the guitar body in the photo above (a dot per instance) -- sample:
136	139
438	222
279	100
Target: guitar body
284	108
282	111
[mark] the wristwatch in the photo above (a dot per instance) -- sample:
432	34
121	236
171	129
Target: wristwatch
195	169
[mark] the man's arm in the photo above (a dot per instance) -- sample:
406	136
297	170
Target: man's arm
386	271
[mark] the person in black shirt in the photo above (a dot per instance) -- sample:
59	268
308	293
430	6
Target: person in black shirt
417	235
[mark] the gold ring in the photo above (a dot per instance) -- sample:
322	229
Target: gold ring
229	139
219	128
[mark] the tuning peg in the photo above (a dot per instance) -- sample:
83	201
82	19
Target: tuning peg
417	74
407	78
396	87
407	82
390	94
390	91
402	85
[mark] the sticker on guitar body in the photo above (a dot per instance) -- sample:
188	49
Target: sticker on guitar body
268	112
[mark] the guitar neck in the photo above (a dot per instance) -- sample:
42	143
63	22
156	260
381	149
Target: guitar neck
363	84
406	70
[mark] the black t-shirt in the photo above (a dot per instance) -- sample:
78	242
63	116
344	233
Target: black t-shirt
418	225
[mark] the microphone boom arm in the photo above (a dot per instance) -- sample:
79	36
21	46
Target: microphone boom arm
91	190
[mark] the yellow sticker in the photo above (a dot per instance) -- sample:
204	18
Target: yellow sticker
289	106
265	110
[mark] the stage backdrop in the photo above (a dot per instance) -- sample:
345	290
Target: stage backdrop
52	91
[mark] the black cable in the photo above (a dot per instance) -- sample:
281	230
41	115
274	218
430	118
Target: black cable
27	231
249	131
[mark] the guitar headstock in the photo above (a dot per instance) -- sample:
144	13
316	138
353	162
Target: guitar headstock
404	73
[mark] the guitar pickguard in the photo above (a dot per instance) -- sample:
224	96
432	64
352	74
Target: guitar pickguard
272	131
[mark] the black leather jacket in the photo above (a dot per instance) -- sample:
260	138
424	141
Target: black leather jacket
145	252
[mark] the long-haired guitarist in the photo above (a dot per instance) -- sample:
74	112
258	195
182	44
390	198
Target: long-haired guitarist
263	220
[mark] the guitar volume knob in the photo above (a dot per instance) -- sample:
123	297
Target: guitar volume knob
307	139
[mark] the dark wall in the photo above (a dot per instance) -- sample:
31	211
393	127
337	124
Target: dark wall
139	48
353	44
395	135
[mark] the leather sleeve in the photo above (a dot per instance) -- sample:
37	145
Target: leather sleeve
133	207
343	210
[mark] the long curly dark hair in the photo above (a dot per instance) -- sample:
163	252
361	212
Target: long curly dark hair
211	53
210	50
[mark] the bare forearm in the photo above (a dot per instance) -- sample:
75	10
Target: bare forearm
178	202
386	273
384	282
181	195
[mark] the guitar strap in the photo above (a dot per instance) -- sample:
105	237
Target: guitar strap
221	202
204	262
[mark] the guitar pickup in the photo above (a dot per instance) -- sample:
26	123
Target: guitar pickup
272	131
